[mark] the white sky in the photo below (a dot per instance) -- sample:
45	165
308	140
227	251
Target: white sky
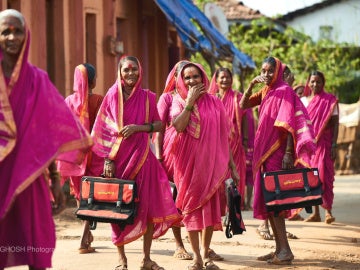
272	8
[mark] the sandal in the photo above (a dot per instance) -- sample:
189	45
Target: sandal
290	235
150	265
182	254
266	257
213	256
210	265
121	267
194	266
276	261
329	219
264	234
313	218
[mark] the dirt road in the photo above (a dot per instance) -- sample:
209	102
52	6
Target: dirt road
320	246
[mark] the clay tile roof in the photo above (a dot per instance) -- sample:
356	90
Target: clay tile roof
236	10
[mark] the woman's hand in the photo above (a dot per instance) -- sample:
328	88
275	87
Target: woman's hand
235	175
109	168
194	93
333	152
258	79
59	203
128	130
288	161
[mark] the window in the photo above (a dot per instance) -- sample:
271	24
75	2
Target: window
325	32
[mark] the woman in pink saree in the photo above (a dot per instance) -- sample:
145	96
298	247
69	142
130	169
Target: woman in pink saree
324	113
121	135
284	139
221	86
85	105
202	160
163	141
36	127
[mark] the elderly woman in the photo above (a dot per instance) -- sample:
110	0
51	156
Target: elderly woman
284	122
121	135
221	86
324	113
36	126
200	120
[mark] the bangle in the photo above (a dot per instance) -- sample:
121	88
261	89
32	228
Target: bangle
108	161
289	152
151	127
334	145
189	108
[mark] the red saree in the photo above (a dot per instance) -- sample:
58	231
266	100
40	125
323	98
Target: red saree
280	112
134	160
36	126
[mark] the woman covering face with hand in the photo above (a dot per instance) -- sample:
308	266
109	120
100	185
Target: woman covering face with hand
201	159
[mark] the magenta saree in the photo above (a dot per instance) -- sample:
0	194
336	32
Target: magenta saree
134	160
280	112
80	104
231	101
36	126
320	111
201	158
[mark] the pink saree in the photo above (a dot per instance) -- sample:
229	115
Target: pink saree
201	158
134	160
231	101
320	110
79	103
36	126
250	146
280	112
164	107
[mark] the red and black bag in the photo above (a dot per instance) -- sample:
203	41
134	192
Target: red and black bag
291	189
108	200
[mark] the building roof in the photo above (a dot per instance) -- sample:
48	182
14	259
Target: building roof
236	10
303	11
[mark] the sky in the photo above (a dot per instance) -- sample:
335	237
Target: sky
272	8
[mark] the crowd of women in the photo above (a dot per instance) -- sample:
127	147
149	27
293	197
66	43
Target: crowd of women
198	134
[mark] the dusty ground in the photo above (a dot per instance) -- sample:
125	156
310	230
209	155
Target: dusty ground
320	246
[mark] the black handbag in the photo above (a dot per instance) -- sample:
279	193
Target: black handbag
291	189
108	200
233	219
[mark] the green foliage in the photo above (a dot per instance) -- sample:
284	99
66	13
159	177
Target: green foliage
339	62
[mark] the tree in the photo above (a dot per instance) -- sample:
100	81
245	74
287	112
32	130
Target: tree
339	62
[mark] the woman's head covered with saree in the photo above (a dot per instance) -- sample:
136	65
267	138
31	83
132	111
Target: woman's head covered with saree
36	127
281	112
111	113
170	83
222	78
180	84
315	86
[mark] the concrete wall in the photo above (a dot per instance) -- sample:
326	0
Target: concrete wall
344	17
60	38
